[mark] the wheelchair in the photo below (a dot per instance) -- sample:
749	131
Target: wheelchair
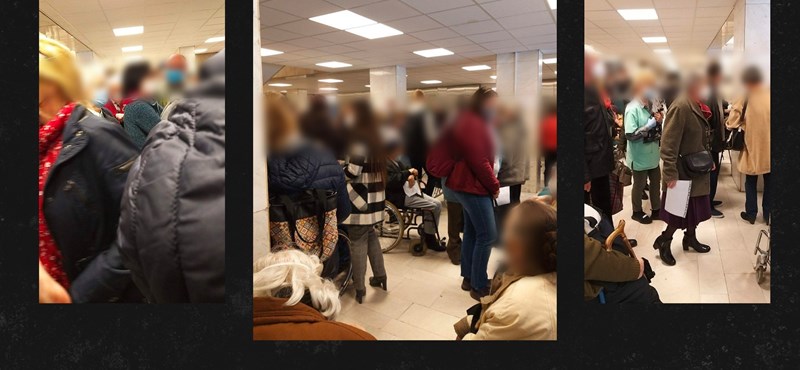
764	256
398	223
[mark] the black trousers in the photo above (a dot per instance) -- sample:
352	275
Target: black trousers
550	159
637	291
600	195
714	175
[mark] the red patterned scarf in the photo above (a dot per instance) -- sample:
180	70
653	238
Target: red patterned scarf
704	109
50	140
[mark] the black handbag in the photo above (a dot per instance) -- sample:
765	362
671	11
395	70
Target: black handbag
735	139
697	164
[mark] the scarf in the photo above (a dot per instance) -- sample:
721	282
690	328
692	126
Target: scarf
50	141
705	110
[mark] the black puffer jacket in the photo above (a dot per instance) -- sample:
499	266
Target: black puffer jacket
598	149
172	228
81	207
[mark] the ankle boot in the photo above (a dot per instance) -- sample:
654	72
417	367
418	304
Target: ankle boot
378	281
360	295
690	240
663	245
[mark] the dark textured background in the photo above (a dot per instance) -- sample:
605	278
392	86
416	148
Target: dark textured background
218	336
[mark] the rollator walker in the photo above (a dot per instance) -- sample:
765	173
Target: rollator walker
764	257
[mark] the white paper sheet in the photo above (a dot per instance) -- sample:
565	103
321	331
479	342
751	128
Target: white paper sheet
412	191
504	197
678	198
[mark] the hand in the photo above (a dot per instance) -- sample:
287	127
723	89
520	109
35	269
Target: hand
671	184
411	181
587	186
713	167
496	194
50	291
413	171
658	116
641	266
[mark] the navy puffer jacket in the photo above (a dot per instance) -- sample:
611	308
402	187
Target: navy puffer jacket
308	166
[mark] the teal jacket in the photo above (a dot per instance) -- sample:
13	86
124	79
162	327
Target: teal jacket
641	156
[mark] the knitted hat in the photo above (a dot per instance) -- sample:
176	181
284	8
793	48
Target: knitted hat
57	64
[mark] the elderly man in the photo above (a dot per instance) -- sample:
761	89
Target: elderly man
175	73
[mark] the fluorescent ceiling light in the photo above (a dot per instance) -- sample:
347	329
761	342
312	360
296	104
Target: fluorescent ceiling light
430	82
367	86
550	60
330	80
431	53
482	67
552	4
343	20
493	77
654	40
638	14
328	89
215	39
374	31
269	52
284	91
280	84
334	65
730	42
128	49
127	31
200	51
661	51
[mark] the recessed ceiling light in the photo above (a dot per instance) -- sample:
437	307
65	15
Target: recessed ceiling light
374	31
342	20
550	60
482	67
430	82
493	77
129	49
334	65
328	89
330	80
367	86
430	53
215	39
661	51
269	52
654	39
200	51
280	84
552	4
638	14
127	31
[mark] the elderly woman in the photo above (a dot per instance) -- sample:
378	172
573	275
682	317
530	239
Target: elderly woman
752	114
83	164
642	156
522	305
292	302
686	135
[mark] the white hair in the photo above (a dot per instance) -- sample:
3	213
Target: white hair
299	271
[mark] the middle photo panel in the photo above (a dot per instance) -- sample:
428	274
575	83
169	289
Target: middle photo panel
405	170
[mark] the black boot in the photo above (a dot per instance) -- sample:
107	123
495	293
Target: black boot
434	244
360	295
748	218
466	285
663	245
654	215
378	281
690	240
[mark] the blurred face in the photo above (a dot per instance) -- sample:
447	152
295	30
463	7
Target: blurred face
50	100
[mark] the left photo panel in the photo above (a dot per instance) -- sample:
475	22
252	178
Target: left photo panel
131	151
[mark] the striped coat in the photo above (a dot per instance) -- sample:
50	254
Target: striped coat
365	187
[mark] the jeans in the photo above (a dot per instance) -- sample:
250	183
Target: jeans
480	231
714	177
639	181
364	245
751	195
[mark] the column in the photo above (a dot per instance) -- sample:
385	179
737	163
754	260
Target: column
387	87
260	206
188	53
519	82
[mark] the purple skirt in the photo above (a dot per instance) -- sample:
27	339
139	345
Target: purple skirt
699	210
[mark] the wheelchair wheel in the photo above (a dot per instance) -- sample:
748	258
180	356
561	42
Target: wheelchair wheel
390	230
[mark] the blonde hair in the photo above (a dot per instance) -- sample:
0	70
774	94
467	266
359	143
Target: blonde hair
300	272
58	64
643	78
281	120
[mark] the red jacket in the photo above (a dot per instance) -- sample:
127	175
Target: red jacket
473	150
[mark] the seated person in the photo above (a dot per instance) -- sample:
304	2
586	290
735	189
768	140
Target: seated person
400	175
522	304
292	302
621	278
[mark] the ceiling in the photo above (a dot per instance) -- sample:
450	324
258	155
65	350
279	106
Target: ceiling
168	24
690	26
475	30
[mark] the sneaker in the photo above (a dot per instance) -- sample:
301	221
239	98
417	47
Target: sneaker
716	213
641	217
716	203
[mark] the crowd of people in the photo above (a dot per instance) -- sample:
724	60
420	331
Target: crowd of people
131	195
332	169
651	128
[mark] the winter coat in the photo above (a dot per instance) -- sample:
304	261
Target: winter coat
598	148
717	122
272	320
172	228
308	166
685	132
601	265
397	174
755	159
140	117
641	156
82	207
515	161
474	152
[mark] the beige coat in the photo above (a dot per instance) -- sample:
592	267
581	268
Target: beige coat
754	159
525	309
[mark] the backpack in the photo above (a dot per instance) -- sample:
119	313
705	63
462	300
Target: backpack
305	221
440	161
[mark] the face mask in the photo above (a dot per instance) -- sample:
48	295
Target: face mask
649	94
174	77
101	97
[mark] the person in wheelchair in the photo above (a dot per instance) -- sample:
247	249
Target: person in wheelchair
399	177
612	276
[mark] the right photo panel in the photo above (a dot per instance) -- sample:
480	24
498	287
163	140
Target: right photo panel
677	151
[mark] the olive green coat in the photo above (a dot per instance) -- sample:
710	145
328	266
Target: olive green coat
686	131
601	265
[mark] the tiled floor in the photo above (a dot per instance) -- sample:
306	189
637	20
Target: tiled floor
725	274
424	297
